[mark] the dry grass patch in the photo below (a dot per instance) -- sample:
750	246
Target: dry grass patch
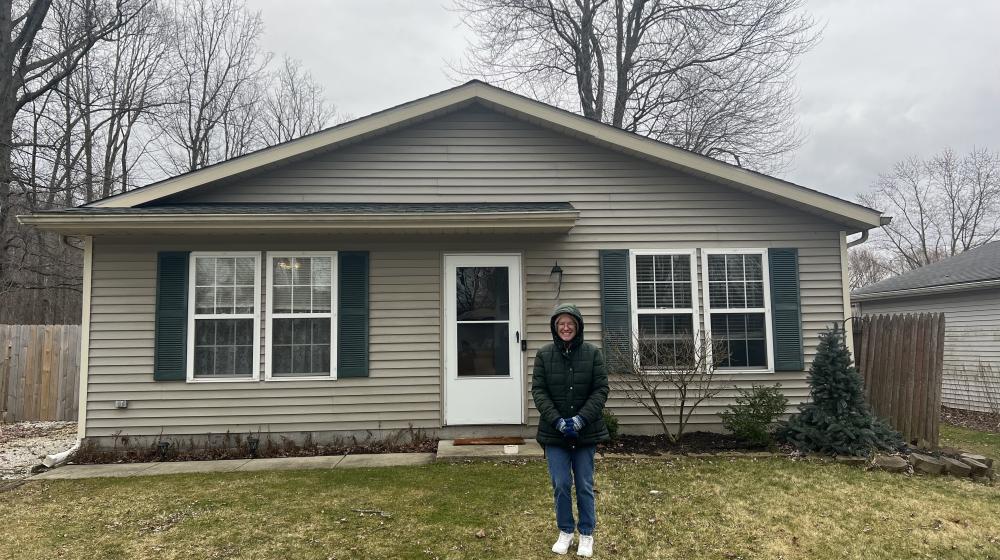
984	443
738	508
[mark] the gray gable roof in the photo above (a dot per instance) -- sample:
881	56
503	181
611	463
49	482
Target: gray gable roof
981	264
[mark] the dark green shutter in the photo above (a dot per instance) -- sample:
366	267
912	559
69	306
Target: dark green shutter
615	312
786	309
352	314
169	355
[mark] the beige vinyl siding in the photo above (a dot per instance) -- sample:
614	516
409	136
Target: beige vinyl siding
972	337
473	155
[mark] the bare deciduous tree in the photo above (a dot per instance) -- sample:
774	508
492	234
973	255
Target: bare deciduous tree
216	84
296	105
867	266
100	96
941	206
41	44
713	77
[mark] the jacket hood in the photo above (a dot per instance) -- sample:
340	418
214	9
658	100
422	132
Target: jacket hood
570	309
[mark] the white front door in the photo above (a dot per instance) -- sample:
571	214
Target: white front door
483	377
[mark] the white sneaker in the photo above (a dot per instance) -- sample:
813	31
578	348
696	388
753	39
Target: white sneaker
586	546
562	544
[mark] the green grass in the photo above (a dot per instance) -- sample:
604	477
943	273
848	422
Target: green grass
984	443
732	508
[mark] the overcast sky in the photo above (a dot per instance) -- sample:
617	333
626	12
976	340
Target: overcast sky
891	78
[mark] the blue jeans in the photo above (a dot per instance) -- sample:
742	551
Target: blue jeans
565	467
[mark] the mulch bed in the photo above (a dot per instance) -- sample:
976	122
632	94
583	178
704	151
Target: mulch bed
979	421
691	442
267	450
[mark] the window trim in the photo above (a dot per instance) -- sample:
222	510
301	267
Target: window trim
766	310
334	303
633	295
192	286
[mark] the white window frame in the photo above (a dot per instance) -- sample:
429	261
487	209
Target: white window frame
334	295
192	285
634	297
766	310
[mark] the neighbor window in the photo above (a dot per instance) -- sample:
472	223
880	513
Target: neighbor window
223	322
737	314
664	308
301	328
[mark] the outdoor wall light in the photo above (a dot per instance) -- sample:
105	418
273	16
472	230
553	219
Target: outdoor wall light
252	443
557	271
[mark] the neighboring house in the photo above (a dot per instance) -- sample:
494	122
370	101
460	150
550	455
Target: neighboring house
397	271
966	288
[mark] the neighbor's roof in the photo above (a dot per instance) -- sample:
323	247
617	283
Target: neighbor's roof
854	216
979	267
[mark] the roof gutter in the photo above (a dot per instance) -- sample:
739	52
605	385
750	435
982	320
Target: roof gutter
527	222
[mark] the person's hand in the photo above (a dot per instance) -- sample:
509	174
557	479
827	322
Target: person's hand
566	428
560	425
578	423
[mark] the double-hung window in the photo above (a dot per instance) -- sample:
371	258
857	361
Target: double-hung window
664	307
302	300
737	307
223	317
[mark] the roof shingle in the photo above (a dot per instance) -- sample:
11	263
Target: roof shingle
976	265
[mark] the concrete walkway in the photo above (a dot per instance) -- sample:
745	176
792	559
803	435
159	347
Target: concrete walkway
237	465
447	451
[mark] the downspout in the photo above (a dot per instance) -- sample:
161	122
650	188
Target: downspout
860	240
52	461
883	221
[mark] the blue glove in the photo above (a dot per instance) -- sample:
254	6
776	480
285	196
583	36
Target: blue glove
566	428
578	423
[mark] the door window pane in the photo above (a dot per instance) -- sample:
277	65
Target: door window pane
483	349
481	293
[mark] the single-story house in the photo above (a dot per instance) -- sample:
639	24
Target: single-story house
966	288
398	271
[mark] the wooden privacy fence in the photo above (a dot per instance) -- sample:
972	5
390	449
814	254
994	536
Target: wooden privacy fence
39	372
901	358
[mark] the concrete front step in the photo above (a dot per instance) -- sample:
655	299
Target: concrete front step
448	451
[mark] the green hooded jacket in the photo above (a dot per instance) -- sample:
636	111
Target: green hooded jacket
570	380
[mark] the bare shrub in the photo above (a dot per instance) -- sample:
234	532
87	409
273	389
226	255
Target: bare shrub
670	378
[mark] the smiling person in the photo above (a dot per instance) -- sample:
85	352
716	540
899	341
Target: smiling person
569	385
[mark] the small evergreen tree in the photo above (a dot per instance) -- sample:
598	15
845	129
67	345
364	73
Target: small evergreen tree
837	420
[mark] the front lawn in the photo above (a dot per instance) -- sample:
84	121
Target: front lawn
689	508
984	443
